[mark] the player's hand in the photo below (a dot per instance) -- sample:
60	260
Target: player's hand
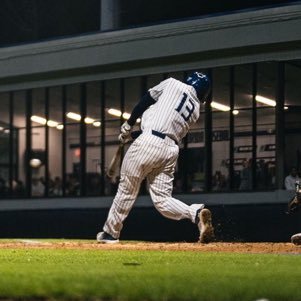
124	138
125	128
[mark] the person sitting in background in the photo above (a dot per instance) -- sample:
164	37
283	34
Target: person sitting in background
18	189
290	180
246	176
262	175
37	187
218	181
57	189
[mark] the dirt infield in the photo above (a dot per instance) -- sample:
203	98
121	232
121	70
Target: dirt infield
270	248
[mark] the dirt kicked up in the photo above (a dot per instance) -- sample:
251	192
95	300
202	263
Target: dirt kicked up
233	247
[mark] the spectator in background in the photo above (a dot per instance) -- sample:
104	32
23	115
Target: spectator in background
246	176
218	181
37	187
290	180
72	185
57	189
262	175
18	189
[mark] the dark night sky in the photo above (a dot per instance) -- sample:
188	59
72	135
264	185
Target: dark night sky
138	11
31	20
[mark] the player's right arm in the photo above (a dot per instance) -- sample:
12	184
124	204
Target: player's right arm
137	112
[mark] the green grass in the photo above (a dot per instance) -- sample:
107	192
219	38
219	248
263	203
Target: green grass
148	275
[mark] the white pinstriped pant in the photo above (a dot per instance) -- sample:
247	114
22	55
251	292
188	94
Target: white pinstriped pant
153	158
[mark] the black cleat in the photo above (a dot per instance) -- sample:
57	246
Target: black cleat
106	238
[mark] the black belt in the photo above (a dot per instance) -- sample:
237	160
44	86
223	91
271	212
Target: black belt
162	136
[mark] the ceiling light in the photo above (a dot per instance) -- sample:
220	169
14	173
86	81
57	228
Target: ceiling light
266	101
35	163
38	119
220	106
118	113
285	107
235	112
97	123
60	126
126	115
74	116
89	120
52	123
114	112
44	121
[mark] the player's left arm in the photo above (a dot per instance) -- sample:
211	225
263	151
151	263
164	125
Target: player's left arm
145	102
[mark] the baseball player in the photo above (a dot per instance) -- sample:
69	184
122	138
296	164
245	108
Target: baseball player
167	111
293	206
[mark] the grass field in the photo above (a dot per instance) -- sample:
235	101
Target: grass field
84	273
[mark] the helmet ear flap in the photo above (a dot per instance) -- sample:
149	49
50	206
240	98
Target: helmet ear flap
201	84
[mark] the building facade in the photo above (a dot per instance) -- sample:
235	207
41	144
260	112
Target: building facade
62	103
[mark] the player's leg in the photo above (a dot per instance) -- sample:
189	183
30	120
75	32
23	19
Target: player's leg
160	187
131	176
122	204
160	182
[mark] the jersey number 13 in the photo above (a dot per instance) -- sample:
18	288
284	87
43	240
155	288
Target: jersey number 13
185	107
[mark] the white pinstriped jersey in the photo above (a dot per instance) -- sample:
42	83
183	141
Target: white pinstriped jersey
154	157
176	107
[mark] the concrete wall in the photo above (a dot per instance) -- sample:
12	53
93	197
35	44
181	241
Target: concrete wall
243	223
212	199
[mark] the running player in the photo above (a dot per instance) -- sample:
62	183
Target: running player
167	111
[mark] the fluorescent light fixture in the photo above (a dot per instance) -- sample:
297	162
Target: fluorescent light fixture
285	107
118	113
74	116
38	119
89	120
126	115
265	100
219	106
97	123
77	117
224	108
43	121
60	126
114	112
52	123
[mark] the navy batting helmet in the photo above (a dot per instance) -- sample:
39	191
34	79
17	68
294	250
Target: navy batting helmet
201	84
